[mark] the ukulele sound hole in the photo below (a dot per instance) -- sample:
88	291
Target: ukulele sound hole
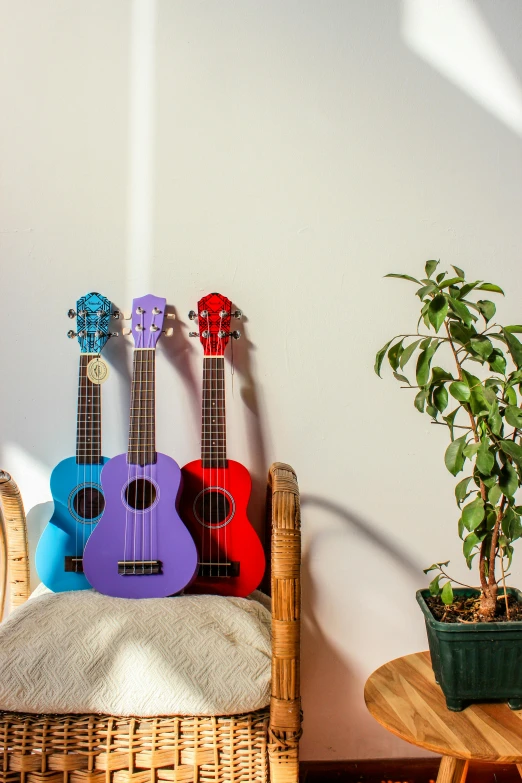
88	503
140	494
212	508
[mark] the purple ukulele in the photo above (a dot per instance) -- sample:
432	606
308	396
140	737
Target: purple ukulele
140	548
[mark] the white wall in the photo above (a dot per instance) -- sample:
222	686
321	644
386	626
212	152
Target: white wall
287	154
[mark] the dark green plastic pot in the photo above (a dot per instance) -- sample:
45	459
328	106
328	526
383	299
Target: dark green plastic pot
475	661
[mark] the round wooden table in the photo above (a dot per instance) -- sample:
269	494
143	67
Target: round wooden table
404	697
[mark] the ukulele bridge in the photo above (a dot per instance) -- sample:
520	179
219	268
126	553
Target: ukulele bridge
139	567
218	570
73	564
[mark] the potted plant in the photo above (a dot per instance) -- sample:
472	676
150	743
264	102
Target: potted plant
474	633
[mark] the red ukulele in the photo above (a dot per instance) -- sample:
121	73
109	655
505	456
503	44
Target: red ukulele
216	490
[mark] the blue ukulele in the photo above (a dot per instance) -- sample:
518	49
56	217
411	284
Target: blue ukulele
75	482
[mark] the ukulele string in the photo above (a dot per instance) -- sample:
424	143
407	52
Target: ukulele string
208	438
148	429
219	379
132	452
223	442
137	467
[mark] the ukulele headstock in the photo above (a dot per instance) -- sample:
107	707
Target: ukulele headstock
93	314
213	318
148	314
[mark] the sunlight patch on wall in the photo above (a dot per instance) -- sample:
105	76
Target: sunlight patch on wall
141	147
453	38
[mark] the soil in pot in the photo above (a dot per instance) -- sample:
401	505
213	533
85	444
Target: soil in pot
465	609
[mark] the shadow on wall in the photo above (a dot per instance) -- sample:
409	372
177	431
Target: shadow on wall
332	688
241	355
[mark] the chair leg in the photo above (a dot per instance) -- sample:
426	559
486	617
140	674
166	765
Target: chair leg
452	770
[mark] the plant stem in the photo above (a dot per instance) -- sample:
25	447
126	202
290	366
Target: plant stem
504	583
489	585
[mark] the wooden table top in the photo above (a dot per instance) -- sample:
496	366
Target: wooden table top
404	697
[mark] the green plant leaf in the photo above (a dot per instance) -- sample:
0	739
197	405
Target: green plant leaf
513	450
454	458
490	287
464	291
459	271
434	585
485	458
473	514
508	480
401	378
447	594
450	420
460	391
380	356
424	362
404	277
420	400
497	362
515	348
440	374
487	308
494	494
478	400
513	416
432	411
440	277
495	419
459	333
438	311
514	328
470	542
407	353
461	490
451	281
471	449
430	267
511	396
394	354
426	290
481	345
440	398
461	311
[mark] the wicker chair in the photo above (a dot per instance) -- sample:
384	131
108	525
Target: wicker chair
110	749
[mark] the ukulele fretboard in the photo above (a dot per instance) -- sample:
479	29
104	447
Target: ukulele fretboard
213	417
88	422
142	426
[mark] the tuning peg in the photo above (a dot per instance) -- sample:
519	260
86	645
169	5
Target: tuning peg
71	333
193	315
170	315
71	313
237	314
114	334
236	334
168	332
193	334
126	331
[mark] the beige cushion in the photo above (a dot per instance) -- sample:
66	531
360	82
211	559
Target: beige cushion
84	652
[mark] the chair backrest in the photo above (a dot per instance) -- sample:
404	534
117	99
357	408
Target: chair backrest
14	551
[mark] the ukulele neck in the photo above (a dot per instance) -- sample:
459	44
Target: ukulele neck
88	420
142	425
213	417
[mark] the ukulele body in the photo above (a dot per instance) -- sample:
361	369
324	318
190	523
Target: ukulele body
78	504
151	533
214	508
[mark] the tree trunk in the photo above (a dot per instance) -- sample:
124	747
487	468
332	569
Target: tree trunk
488	602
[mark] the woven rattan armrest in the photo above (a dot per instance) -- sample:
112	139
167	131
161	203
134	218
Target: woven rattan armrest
14	555
285	704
